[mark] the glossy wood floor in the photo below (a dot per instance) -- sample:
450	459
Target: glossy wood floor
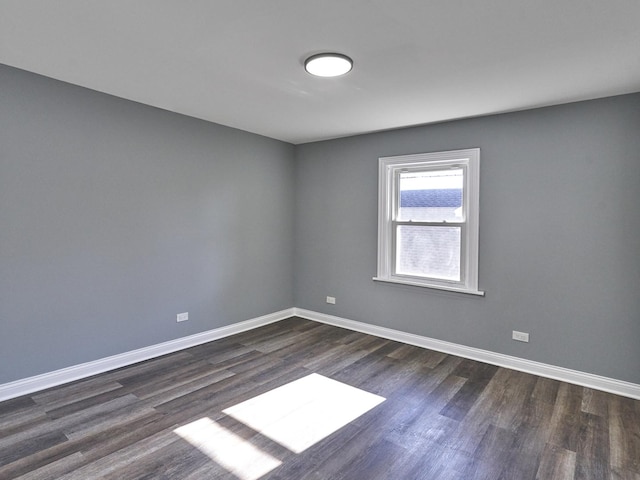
444	417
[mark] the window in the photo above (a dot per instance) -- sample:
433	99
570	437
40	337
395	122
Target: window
428	220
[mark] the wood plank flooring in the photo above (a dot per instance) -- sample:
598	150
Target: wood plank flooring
444	417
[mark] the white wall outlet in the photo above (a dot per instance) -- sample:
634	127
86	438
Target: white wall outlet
331	300
520	336
182	317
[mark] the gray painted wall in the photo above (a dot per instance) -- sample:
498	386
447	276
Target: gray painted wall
115	216
559	235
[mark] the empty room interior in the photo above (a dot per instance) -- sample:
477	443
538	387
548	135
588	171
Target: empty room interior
218	260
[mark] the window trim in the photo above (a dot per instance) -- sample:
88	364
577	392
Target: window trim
387	193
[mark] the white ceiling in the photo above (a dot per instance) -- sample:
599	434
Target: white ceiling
240	62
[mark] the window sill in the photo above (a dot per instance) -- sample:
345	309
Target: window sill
478	293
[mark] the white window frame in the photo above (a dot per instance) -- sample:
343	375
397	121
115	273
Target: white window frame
389	169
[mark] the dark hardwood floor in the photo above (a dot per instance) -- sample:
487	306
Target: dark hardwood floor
444	417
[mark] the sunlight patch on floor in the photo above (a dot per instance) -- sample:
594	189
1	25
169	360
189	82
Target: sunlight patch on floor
232	452
303	412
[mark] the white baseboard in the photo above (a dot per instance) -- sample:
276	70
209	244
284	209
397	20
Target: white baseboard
84	370
77	372
597	382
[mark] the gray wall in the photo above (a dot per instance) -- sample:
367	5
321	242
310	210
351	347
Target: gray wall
559	235
114	217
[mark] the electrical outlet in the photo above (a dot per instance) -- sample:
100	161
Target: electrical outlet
331	300
520	336
182	317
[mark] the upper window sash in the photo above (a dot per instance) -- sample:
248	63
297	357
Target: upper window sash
397	173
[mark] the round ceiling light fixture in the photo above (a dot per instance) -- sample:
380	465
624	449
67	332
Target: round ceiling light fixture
328	64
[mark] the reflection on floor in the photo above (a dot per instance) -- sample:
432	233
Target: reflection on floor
234	453
303	412
296	415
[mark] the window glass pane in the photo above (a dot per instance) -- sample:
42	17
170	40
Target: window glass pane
427	251
431	196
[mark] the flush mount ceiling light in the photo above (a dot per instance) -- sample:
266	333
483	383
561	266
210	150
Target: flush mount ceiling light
328	64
